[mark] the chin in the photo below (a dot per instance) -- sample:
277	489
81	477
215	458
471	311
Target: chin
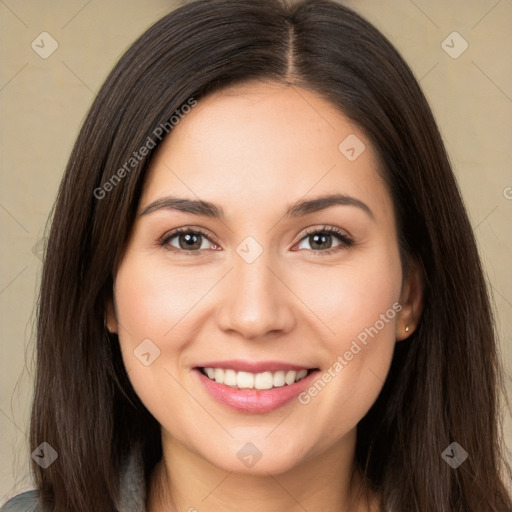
257	458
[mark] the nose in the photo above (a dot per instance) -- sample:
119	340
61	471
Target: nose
256	301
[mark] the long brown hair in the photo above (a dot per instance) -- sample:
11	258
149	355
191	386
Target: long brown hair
445	380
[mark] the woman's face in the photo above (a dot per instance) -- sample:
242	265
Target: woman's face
255	292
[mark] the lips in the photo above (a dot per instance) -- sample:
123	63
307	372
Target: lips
253	387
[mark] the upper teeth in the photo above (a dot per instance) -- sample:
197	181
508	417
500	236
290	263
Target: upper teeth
246	380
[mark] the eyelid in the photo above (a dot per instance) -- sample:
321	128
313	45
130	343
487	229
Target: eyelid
326	229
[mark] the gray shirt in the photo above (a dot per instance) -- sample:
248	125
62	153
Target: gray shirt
132	490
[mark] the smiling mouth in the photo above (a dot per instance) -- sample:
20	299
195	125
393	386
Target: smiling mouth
257	381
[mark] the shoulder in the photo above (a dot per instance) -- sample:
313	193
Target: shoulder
25	502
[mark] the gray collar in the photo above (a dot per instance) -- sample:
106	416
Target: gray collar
132	496
132	483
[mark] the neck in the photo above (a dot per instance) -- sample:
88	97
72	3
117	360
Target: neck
327	482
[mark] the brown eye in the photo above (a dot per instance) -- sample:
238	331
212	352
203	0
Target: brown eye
189	241
322	240
186	240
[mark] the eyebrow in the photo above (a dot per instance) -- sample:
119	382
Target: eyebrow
297	209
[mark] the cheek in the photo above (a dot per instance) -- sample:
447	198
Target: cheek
358	316
349	298
153	299
152	304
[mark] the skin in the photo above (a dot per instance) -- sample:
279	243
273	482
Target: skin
254	150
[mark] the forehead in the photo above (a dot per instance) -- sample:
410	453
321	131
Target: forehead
257	147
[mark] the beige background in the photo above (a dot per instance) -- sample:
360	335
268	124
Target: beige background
43	101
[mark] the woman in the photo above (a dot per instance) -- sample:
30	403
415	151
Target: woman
261	288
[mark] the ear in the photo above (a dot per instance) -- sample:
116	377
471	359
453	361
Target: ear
110	316
411	301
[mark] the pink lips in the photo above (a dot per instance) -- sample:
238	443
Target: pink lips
252	400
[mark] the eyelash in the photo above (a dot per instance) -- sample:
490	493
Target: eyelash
345	240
